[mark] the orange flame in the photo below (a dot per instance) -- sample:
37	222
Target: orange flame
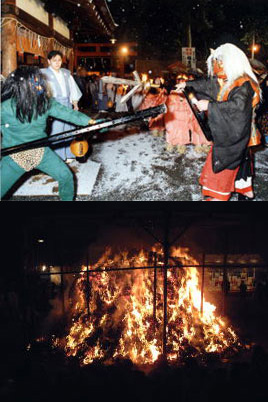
121	322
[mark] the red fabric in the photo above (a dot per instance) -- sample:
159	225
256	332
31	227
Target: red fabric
223	182
179	120
151	100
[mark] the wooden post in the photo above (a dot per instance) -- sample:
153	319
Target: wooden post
9	47
51	39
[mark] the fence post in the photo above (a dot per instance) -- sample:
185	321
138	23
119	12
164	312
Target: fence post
87	289
202	285
155	289
165	270
62	290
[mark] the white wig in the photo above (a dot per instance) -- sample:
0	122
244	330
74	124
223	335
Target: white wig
235	63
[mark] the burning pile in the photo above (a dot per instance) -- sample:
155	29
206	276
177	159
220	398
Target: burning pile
123	322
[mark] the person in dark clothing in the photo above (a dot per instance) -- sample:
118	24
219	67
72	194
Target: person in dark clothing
81	79
229	97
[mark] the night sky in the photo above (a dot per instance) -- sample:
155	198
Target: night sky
160	26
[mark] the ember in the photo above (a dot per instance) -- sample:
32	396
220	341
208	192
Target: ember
126	321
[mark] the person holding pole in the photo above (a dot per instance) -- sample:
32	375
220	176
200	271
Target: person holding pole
229	97
26	105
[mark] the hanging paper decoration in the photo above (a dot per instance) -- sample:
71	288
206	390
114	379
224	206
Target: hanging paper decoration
29	41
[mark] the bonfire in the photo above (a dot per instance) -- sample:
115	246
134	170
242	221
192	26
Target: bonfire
123	316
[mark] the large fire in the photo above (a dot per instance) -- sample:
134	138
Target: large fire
123	322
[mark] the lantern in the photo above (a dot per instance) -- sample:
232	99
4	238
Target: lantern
79	148
110	104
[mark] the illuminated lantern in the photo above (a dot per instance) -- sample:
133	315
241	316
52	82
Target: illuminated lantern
79	148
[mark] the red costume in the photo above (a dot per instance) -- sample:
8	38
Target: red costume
220	185
156	124
233	92
181	125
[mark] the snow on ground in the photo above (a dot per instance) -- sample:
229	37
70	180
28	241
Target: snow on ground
138	167
43	185
135	166
261	173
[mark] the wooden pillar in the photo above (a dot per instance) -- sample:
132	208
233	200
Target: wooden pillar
51	39
9	47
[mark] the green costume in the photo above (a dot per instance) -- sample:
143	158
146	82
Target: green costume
15	132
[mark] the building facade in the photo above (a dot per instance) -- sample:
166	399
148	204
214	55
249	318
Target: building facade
32	28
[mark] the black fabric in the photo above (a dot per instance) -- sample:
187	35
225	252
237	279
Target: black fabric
229	121
246	167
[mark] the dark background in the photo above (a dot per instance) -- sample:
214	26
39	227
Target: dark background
160	26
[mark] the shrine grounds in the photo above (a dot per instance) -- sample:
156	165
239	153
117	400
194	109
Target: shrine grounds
135	166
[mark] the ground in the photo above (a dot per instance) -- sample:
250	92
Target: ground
135	166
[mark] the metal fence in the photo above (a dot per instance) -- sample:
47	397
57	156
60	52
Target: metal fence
214	279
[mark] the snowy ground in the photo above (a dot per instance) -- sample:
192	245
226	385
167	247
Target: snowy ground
135	166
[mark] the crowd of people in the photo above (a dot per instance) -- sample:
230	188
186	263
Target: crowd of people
233	98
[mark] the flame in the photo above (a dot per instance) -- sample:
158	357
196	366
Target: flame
122	324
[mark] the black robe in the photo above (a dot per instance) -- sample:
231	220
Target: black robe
229	121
